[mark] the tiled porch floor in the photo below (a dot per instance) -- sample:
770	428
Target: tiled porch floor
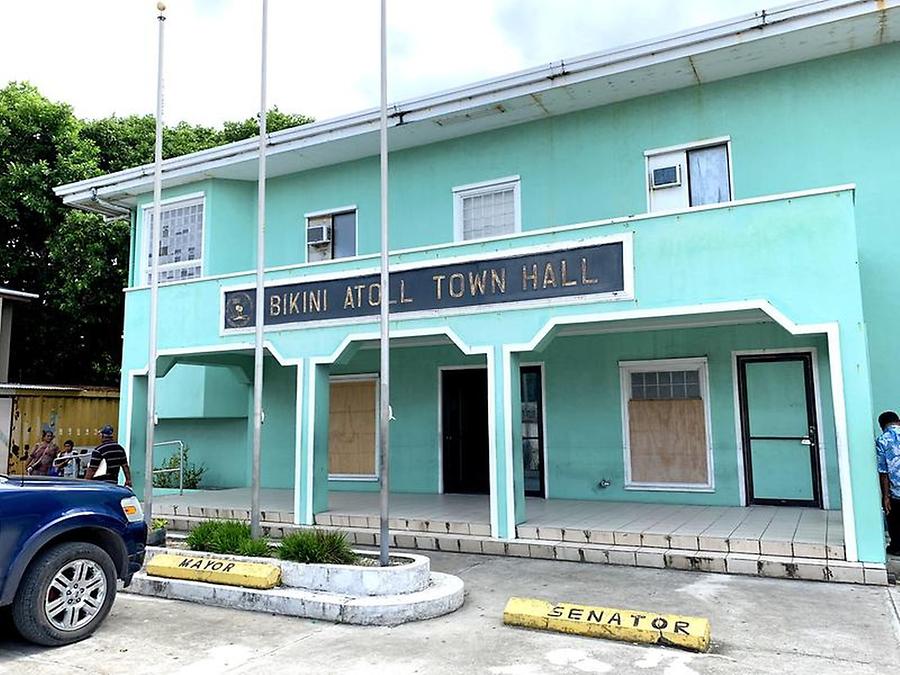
769	530
231	498
766	530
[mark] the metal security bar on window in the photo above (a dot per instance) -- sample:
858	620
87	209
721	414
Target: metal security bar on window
489	214
180	241
665	385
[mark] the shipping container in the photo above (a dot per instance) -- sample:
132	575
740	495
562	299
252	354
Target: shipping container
72	413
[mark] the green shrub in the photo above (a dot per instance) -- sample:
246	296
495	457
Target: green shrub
256	548
158	523
193	473
232	537
228	536
201	535
317	546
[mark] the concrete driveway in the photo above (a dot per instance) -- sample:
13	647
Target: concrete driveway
758	626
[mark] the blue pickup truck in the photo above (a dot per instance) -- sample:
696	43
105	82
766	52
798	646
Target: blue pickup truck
63	545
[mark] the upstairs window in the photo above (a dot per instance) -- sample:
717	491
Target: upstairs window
486	209
180	239
331	234
689	175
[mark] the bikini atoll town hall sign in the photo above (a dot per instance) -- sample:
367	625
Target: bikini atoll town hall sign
593	270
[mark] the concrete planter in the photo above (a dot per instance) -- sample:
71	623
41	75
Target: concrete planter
356	580
360	580
372	596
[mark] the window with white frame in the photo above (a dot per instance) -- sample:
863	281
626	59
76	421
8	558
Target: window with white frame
665	412
180	239
690	175
353	428
486	209
331	235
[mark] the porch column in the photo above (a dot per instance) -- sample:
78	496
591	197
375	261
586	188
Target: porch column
299	452
860	492
313	471
133	427
504	419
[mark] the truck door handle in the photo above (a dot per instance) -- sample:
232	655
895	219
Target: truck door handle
805	441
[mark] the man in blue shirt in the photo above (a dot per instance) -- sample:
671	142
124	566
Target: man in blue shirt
887	450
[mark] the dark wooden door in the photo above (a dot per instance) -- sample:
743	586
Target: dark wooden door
465	431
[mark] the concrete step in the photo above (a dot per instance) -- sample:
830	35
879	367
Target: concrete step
782	567
602	537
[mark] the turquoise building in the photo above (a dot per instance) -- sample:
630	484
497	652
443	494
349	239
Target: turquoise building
659	275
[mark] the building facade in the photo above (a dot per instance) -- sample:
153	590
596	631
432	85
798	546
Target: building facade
655	275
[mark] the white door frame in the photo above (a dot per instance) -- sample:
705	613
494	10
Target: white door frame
817	403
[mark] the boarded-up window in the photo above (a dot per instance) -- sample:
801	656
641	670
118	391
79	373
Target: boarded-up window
667	429
351	428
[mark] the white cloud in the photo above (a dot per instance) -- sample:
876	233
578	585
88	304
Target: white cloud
100	55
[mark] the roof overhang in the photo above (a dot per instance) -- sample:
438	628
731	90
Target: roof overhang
9	294
756	42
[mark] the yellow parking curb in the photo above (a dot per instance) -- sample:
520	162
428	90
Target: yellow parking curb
215	570
686	632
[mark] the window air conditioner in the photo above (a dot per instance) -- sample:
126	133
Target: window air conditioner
665	176
319	234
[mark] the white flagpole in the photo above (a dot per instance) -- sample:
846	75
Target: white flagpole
154	276
260	287
384	426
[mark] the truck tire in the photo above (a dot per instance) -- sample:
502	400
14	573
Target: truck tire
65	594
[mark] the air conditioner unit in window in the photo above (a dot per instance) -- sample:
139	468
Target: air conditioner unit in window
665	177
318	234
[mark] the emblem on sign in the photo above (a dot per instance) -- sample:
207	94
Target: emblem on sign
238	310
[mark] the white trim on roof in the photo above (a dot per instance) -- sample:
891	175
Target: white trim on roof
17	295
729	34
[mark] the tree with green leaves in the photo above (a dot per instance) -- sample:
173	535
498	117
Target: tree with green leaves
125	142
77	262
40	146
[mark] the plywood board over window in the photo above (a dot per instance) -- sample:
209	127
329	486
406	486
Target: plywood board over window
666	428
668	441
352	429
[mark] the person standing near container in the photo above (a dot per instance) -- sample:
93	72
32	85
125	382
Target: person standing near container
114	454
41	458
67	463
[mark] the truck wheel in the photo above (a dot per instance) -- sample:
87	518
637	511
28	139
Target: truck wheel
65	594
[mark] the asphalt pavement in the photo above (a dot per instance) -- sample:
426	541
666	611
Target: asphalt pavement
758	626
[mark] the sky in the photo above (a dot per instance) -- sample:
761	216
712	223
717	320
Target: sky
100	55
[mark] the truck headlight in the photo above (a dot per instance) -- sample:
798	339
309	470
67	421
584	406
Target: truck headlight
131	507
